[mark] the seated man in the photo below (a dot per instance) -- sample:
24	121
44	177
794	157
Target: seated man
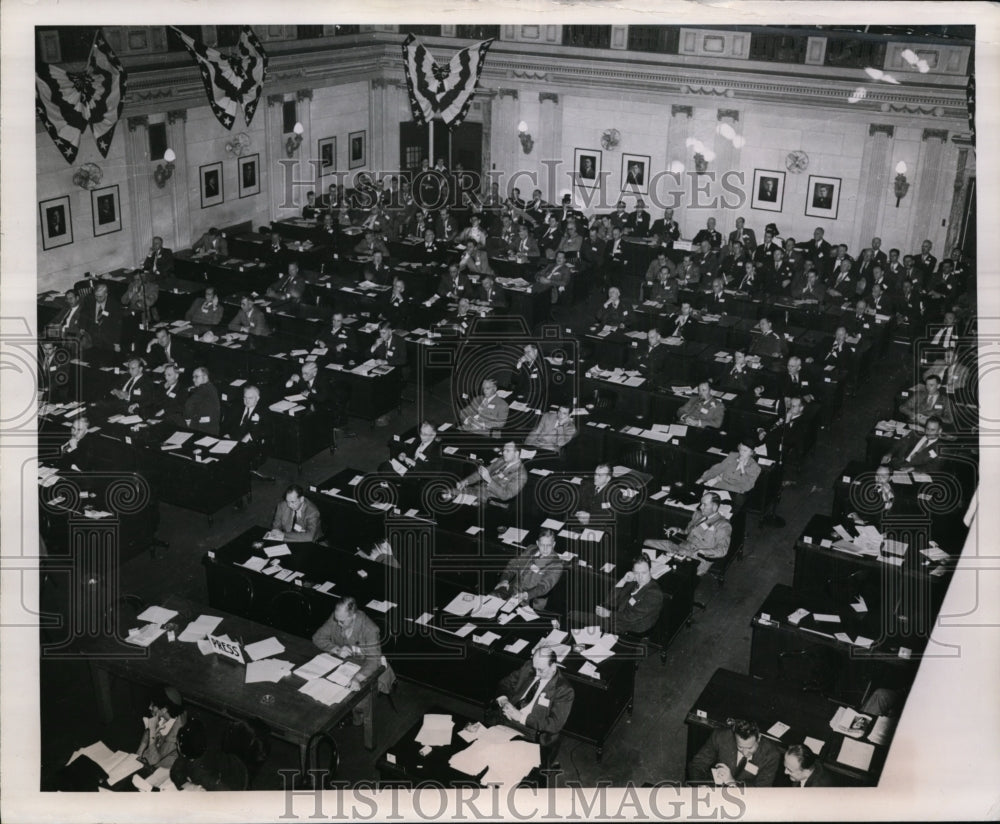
172	397
163	349
637	604
916	451
650	358
281	289
554	430
202	411
662	288
768	344
812	292
388	348
274	246
81	451
557	276
530	576
377	270
841	354
138	394
926	401
338	341
706	537
160	260
501	480
396	304
527	377
296	518
206	311
615	312
682	325
250	320
796	382
423	454
475	260
455	285
595	496
804	769
370	244
736	755
489	294
353	636
703	409
536	698
486	413
311	386
247	423
526	247
213	242
737	472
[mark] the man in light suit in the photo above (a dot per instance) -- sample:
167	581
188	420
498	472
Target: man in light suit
250	319
553	431
530	576
206	311
486	413
917	451
296	518
737	472
502	480
213	242
926	401
706	537
737	755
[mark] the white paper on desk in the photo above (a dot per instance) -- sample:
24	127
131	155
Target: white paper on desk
318	666
513	535
843	636
797	616
465	630
555	636
264	649
826	617
156	615
277	551
270	670
178	438
325	587
283	575
123	767
238	382
597	653
894	547
921	478
843	533
487	607
381	606
550	523
857	754
814	744
863	642
516	646
678	430
473	530
505	618
436	730
331	492
485	638
592	535
528	454
935	553
778	729
159	778
208	440
342	676
326	692
860	606
202	626
543	472
527	613
892	560
223	447
424	619
462	604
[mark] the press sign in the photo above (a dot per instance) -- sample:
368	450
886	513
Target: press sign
228	648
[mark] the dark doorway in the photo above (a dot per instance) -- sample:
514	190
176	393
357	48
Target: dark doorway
464	145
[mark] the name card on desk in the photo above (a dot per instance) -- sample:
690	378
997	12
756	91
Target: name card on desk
228	649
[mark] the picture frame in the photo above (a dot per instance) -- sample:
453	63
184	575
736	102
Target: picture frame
212	193
105	207
768	191
635	173
357	149
248	175
587	168
327	155
56	221
823	197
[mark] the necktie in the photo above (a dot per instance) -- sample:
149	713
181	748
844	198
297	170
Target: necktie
295	518
920	445
99	311
128	387
529	694
246	415
931	400
740	764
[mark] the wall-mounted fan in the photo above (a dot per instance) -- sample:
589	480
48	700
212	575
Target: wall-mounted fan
611	138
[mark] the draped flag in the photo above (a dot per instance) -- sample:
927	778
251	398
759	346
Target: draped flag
442	90
970	100
232	81
68	102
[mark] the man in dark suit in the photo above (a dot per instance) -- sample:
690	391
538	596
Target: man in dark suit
743	235
213	242
70	323
925	261
768	344
637	604
614	251
841	353
667	228
53	373
556	276
650	358
423	454
138	394
378	270
709	233
551	236
488	293
370	245
820	251
80	453
173	395
296	518
281	289
528	377
160	260
717	301
525	246
164	348
797	382
595	497
102	319
250	319
619	217
738	378
917	451
736	755
396	304
455	284
786	436
804	769
615	312
338	340
536	699
247	423
311	385
387	348
202	411
638	221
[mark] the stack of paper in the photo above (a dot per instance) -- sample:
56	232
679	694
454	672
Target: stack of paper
326	692
264	649
488	607
436	730
516	646
380	606
117	765
857	754
527	613
462	604
485	638
343	674
513	535
271	670
318	666
203	625
145	636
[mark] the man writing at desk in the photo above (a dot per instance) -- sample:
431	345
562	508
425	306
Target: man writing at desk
351	635
502	480
530	576
736	755
296	518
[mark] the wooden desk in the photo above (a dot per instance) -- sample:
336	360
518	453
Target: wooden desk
732	695
217	683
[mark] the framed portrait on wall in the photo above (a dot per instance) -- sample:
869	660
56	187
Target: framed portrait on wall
357	149
211	184
57	222
587	168
768	191
823	197
248	175
327	155
106	209
635	174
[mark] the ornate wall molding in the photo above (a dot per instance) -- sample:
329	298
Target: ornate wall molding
303	94
733	114
687	111
881	128
938	134
141	121
175	115
543	96
275	99
502	93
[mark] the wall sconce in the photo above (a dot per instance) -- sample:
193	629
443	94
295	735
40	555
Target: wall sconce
700	163
527	141
901	185
165	171
295	140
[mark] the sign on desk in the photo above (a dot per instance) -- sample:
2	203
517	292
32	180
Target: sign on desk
230	649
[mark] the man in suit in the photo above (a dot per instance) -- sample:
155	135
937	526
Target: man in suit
424	454
377	270
53	373
556	276
475	260
160	260
536	699
742	235
202	411
804	769
639	220
70	323
296	518
139	301
172	398
706	538
455	284
662	288
945	285
717	301
667	228
338	340
281	289
250	319
525	247
528	378
637	604
486	413
311	385
738	378
619	217
164	349
650	358
733	264
819	251
925	261
768	344
703	410
138	394
615	312
502	480
102	319
595	497
737	472
928	401
708	262
796	382
396	304
489	294
910	307
614	251
530	576
709	233
370	245
205	311
811	293
737	755
786	436
352	636
554	430
213	243
841	354
80	453
247	423
387	348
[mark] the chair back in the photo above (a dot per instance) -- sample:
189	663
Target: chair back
292	612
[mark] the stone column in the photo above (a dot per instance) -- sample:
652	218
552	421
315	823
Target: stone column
177	140
274	154
929	190
550	148
140	178
506	151
875	184
377	97
678	131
